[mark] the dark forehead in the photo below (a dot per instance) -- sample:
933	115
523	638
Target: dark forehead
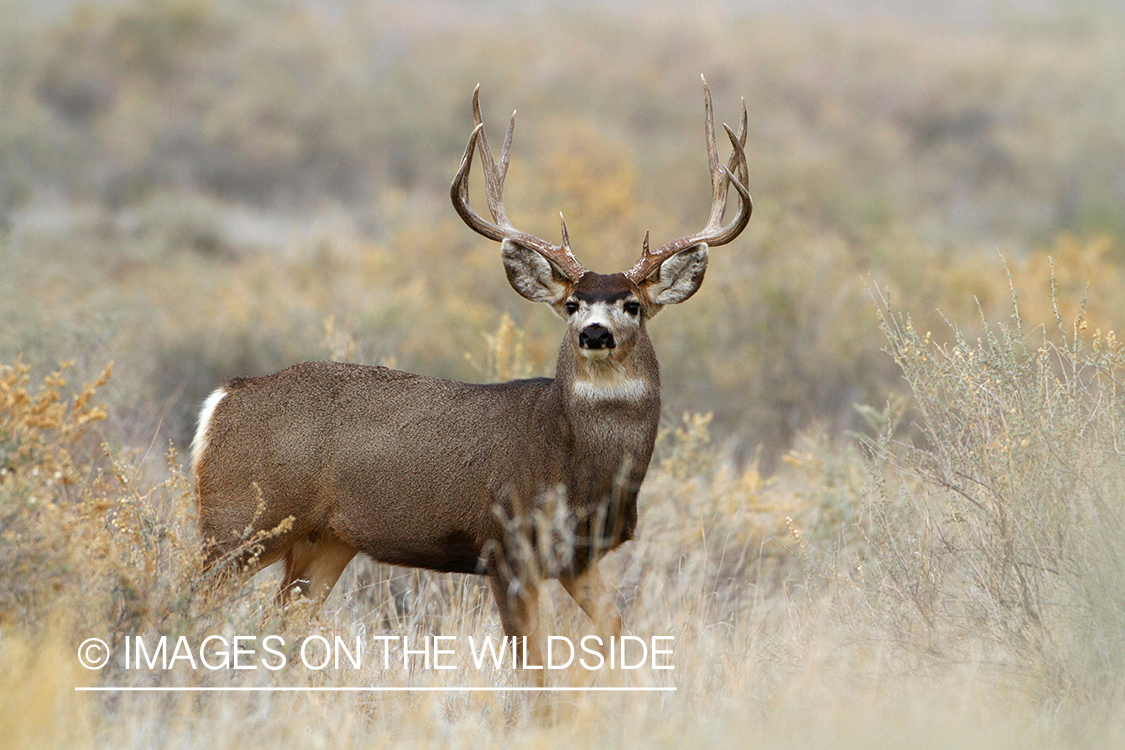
596	287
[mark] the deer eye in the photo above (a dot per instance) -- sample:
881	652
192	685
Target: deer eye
632	307
571	307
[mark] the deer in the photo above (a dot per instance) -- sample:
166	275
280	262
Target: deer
334	459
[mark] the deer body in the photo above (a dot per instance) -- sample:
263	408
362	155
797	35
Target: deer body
337	445
339	459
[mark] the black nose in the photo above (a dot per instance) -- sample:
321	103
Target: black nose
596	336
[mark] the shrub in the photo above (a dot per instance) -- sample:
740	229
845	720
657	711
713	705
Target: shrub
1014	535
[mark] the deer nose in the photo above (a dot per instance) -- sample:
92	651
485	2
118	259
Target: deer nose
596	336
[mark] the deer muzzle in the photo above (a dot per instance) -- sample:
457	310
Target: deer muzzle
596	336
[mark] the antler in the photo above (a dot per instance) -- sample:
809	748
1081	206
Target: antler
494	173
722	177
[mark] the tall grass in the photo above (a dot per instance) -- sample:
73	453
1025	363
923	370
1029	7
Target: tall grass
949	585
1015	538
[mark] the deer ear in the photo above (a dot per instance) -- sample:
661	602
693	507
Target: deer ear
532	275
677	278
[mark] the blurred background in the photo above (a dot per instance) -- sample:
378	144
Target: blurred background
884	500
195	190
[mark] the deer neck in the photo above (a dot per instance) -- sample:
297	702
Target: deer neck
610	412
628	389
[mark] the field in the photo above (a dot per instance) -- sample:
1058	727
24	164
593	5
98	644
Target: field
886	507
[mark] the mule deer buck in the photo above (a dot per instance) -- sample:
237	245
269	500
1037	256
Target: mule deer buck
430	473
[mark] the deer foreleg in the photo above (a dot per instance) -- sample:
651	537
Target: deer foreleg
589	591
518	602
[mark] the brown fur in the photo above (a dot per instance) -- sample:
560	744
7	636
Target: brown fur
339	446
413	471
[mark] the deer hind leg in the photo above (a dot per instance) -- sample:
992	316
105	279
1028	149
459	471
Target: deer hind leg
589	591
313	565
518	602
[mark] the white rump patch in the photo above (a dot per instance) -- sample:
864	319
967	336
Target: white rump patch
627	389
199	442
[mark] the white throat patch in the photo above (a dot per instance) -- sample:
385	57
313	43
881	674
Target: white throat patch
626	389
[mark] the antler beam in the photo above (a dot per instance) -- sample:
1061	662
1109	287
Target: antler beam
735	172
494	173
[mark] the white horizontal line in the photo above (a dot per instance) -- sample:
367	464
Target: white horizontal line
454	689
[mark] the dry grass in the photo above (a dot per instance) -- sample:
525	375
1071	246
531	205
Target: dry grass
1020	541
839	602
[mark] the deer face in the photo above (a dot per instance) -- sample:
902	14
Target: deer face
605	314
604	317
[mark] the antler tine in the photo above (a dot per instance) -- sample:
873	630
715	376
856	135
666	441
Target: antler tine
718	181
459	193
735	172
565	235
494	174
743	173
738	178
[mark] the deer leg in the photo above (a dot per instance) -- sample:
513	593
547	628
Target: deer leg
518	602
313	565
589	591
